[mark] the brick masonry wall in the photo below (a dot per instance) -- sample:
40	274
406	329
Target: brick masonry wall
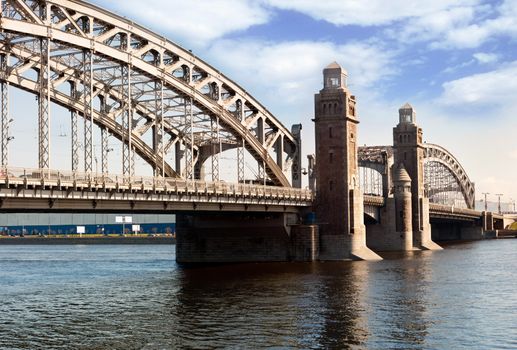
220	245
304	243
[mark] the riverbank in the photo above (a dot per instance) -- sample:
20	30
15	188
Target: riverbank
90	240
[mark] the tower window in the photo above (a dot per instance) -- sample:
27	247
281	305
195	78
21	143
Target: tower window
331	157
405	156
330	132
333	82
331	185
400	138
324	108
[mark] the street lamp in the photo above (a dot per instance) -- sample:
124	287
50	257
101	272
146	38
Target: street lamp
499	195
486	203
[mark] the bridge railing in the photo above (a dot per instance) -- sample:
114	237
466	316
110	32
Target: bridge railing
58	178
446	209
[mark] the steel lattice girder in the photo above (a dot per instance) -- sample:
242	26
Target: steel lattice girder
375	157
86	27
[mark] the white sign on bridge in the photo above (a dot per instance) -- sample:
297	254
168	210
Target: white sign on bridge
124	219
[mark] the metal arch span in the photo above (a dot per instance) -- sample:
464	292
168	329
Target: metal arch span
380	158
375	157
436	153
140	72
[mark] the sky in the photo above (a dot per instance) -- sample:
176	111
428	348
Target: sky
454	61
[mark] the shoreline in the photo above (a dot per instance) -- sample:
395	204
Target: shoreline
88	240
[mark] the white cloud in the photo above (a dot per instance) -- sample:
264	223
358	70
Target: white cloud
445	24
495	88
293	70
459	26
484	57
453	69
365	13
195	22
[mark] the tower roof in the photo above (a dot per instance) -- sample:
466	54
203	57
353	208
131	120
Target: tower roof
335	65
400	174
406	106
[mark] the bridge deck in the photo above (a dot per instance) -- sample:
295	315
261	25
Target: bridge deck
44	189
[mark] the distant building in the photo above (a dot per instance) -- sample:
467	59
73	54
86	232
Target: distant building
63	224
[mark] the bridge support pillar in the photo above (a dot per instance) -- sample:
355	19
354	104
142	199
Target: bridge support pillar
422	237
395	232
244	237
488	221
339	201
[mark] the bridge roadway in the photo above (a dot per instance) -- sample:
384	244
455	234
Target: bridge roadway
51	190
23	189
436	211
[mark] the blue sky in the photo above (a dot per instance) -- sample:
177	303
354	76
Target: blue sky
454	61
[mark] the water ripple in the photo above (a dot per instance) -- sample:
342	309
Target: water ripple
136	297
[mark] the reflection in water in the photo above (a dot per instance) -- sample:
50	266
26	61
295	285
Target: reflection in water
400	302
345	307
296	305
136	297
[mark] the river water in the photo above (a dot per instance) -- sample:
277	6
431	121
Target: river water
136	297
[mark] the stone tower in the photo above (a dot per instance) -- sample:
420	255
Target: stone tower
409	150
339	202
403	218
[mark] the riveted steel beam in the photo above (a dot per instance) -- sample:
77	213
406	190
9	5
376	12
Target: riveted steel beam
74	129
44	104
4	108
88	108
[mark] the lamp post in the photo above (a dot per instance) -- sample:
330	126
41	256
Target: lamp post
499	195
486	203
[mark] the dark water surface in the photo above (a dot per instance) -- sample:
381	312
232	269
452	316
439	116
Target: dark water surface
136	297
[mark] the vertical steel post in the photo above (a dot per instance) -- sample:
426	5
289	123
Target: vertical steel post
74	131
88	109
177	157
104	137
4	91
158	147
280	152
44	105
189	140
261	138
127	159
104	150
215	148
240	162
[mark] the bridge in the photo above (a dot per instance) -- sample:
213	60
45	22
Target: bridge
212	153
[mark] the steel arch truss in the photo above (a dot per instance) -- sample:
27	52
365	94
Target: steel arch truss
374	164
146	85
444	176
